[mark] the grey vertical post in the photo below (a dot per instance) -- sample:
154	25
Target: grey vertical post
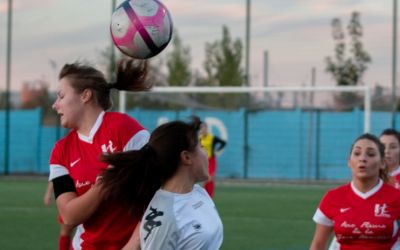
8	83
394	65
266	66
247	48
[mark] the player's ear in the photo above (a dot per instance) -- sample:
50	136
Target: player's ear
186	157
86	95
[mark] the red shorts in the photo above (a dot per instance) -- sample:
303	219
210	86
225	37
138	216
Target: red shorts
212	166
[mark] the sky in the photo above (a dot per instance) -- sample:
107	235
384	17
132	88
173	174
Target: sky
296	34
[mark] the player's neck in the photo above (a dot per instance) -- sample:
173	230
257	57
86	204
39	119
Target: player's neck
365	185
88	120
178	184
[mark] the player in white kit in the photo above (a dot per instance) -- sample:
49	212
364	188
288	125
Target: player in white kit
365	213
161	179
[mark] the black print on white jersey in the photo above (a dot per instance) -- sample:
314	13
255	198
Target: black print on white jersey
150	223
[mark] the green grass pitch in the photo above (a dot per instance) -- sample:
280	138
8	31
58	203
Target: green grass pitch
255	215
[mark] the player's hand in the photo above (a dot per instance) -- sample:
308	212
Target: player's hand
47	199
218	153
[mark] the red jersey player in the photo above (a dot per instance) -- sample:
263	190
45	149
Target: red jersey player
82	100
391	139
363	214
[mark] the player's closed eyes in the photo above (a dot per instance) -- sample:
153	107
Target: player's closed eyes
369	154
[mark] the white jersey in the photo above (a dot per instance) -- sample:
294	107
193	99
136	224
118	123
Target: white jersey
181	221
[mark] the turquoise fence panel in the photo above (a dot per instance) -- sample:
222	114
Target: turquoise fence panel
280	144
48	139
150	119
24	144
274	144
337	132
380	121
2	141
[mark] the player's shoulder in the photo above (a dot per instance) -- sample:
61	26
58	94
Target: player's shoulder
392	191
118	119
163	204
163	199
342	188
197	189
339	191
67	139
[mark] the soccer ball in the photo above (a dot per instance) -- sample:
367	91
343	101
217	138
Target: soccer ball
141	28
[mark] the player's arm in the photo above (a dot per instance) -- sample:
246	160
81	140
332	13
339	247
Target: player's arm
134	241
321	237
219	144
75	209
48	194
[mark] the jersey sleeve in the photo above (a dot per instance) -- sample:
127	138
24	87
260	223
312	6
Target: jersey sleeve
320	218
137	141
57	163
131	133
158	230
322	215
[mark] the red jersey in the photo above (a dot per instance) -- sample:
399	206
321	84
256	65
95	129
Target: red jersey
395	178
111	226
362	220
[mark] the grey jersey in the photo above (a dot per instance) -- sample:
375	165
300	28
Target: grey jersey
181	221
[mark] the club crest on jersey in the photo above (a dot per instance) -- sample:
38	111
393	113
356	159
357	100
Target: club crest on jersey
151	223
381	210
108	148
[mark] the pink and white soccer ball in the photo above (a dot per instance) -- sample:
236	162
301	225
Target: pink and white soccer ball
141	28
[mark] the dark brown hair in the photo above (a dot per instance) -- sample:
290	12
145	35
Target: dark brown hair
131	76
390	131
137	174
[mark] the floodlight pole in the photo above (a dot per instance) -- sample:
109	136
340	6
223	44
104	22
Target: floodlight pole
247	48
394	65
7	94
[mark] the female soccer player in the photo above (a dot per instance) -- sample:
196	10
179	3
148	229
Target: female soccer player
82	102
213	145
162	177
391	139
365	213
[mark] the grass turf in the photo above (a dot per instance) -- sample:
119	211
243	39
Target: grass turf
255	216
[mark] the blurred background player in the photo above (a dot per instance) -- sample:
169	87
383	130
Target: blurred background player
364	213
391	139
213	146
64	239
83	99
162	176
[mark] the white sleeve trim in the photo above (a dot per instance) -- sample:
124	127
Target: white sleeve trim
57	171
137	141
320	218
